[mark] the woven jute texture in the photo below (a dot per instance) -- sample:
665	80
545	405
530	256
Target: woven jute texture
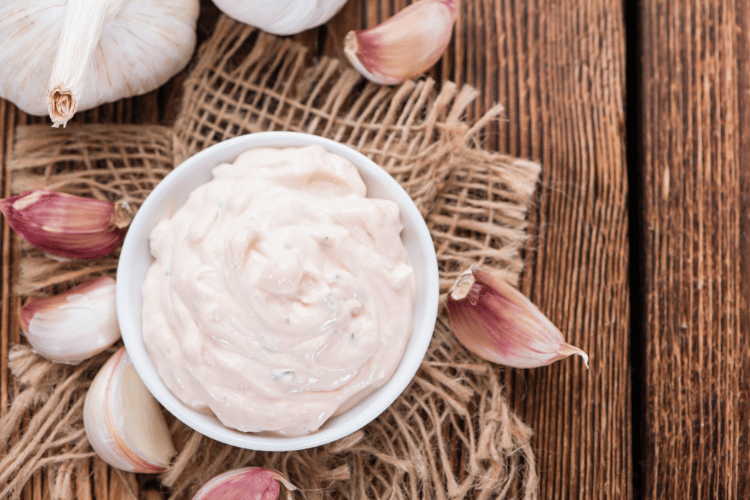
450	435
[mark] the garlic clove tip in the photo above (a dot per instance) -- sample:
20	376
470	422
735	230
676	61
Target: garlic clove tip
570	350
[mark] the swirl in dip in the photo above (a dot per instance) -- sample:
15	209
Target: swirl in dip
280	295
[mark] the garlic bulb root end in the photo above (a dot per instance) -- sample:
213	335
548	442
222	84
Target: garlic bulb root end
61	105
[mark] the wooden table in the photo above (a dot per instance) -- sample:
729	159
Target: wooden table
639	114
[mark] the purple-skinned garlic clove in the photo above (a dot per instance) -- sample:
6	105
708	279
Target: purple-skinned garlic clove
496	322
250	482
68	225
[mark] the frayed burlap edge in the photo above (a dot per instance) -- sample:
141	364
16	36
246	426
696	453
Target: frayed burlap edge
451	434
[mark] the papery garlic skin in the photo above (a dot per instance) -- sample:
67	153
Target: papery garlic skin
124	423
67	225
74	325
495	321
250	482
405	45
88	52
281	17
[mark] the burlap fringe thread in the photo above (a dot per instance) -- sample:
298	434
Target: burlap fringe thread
451	435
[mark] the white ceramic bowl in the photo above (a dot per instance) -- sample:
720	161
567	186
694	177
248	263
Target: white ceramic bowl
173	191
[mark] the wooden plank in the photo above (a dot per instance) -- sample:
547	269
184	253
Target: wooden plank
561	76
692	230
743	81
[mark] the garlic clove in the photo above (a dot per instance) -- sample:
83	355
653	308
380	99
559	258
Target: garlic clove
250	482
281	17
74	325
67	225
405	45
495	321
124	423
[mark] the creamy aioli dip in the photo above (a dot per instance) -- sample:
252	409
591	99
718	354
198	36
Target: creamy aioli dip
280	295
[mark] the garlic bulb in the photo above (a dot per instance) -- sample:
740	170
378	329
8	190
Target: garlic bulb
250	482
405	45
60	56
498	323
123	421
281	17
67	225
74	325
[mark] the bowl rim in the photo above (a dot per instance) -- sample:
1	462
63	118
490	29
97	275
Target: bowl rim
384	396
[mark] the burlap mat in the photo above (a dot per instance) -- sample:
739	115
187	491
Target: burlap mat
450	435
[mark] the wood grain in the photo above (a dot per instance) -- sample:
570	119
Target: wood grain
743	90
560	72
692	230
558	67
